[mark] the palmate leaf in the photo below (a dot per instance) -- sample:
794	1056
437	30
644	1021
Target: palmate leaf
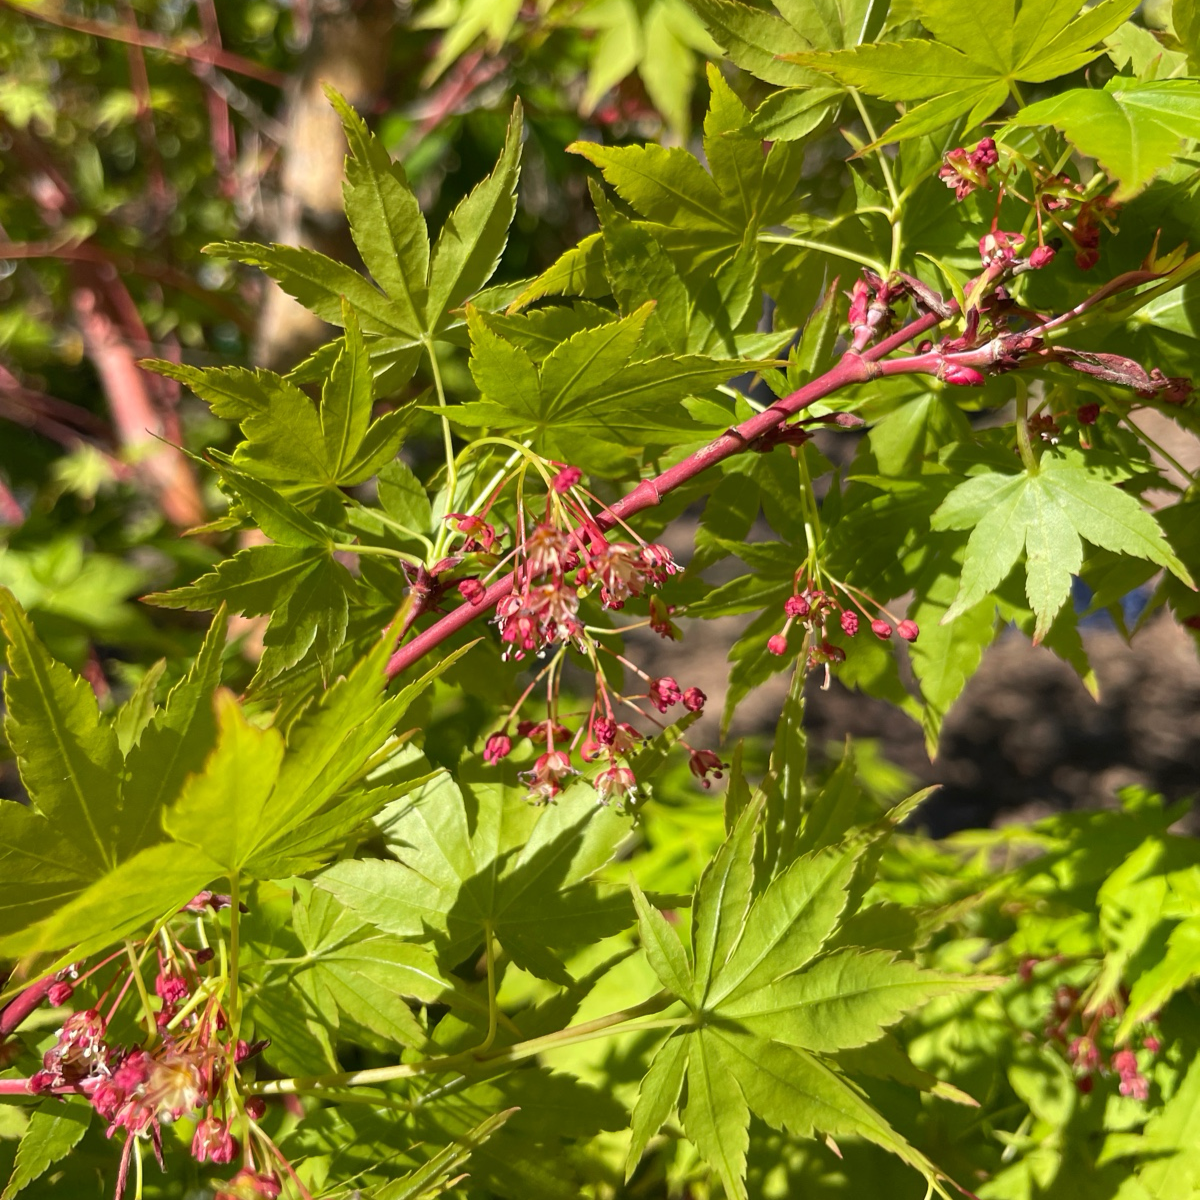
93	816
476	856
290	443
590	389
53	1131
766	1005
244	808
1134	130
297	582
420	287
761	42
347	968
703	220
978	57
1046	514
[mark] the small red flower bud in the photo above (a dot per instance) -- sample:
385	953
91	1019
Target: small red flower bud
777	644
908	630
796	606
849	622
664	693
985	154
694	699
1085	260
960	376
256	1106
472	590
1152	1044
213	1142
107	1100
204	954
703	763
59	993
881	629
170	988
1042	256
1086	414
498	746
605	731
566	479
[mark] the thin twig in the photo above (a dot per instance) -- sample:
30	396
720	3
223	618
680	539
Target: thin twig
177	48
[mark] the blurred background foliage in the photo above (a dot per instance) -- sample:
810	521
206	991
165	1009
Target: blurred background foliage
134	133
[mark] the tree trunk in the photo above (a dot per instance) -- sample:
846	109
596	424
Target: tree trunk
349	50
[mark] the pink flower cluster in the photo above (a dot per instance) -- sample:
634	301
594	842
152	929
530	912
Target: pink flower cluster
182	1072
1081	1032
560	565
964	171
813	608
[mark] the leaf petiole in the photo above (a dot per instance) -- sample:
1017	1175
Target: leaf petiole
586	1032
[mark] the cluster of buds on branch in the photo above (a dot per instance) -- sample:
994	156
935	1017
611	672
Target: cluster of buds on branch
188	1066
1084	1035
558	562
1057	200
568	553
812	609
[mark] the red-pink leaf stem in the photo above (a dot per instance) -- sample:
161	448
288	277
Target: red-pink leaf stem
21	1005
853	368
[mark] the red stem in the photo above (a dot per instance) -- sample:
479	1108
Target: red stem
20	1007
853	368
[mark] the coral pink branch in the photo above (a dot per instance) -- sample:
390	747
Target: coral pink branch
960	367
853	368
137	422
20	1007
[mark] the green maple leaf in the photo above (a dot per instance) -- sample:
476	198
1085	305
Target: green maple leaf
659	39
767	1006
701	217
296	581
53	1131
475	856
978	57
591	398
1134	130
761	42
290	442
342	967
421	286
1047	514
93	809
204	794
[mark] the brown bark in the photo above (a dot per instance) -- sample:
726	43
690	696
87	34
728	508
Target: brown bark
349	50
